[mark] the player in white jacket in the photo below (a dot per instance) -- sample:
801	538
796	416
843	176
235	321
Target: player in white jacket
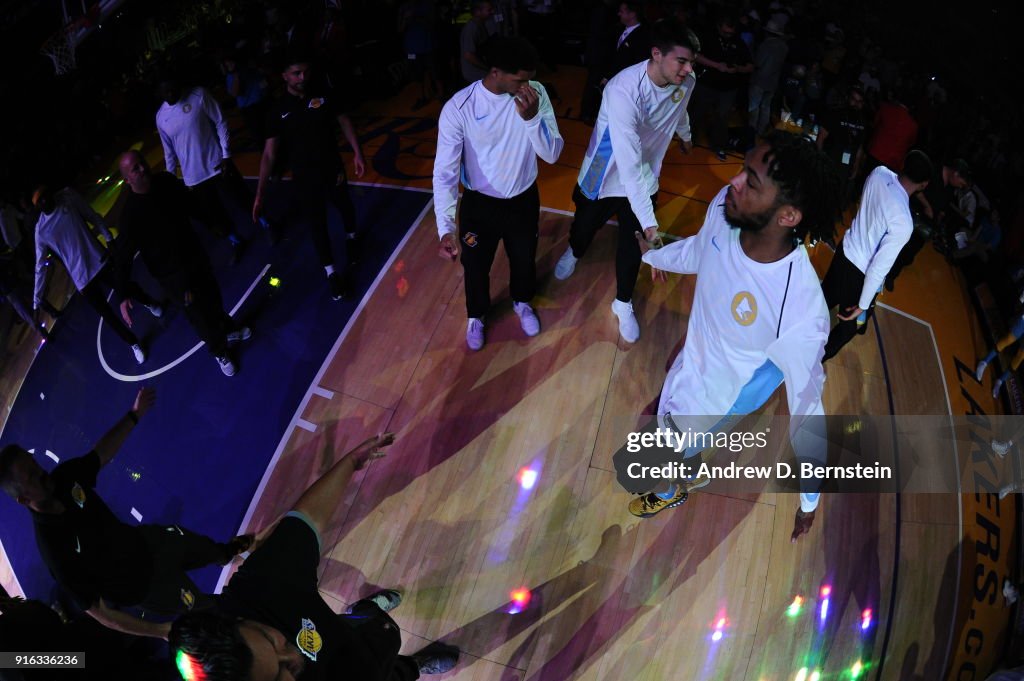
641	109
758	317
489	137
881	229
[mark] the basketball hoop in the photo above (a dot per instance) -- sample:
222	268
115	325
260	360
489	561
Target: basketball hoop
60	48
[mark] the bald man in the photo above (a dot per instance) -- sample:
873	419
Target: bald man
155	224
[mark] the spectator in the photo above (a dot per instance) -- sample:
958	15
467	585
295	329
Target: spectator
248	87
474	36
768	63
726	59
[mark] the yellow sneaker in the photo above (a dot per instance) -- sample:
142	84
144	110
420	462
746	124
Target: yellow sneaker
647	505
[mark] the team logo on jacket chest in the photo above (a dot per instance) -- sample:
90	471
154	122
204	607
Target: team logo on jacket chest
744	308
78	495
308	639
316	102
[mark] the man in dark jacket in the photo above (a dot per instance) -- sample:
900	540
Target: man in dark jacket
273	624
155	224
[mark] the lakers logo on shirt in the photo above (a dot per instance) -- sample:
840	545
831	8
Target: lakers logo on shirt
308	639
744	308
188	599
316	102
677	95
470	239
78	495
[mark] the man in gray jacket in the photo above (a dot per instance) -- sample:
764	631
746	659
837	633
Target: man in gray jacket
62	230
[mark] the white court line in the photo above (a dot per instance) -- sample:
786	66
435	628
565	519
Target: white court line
324	393
135	514
167	367
385	185
935	344
306	425
314	384
956	470
14	588
53	456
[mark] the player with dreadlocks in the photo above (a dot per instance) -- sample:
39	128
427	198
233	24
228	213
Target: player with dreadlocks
758	316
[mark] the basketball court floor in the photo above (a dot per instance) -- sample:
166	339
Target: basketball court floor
497	512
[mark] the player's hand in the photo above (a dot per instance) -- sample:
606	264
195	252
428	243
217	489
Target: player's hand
852	313
257	208
527	102
145	399
449	248
227	168
371	449
649	240
801	525
126	314
360	165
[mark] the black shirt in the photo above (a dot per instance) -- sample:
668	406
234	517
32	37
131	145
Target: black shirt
730	51
156	225
937	195
307	127
277	586
86	548
846	128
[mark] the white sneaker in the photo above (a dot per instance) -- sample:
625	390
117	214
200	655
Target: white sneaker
226	365
140	354
243	333
1001	448
566	265
980	371
629	329
1010	592
527	318
156	310
475	333
1006	491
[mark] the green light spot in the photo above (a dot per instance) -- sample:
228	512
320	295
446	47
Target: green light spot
856	669
274	282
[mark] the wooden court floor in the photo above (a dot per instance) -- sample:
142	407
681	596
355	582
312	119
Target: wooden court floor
444	519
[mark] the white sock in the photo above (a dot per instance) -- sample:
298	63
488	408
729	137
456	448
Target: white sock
329	269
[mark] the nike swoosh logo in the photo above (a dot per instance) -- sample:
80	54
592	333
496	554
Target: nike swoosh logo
480	118
285	115
715	243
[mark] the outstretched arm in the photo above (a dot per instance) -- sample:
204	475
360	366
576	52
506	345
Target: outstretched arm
319	502
111	442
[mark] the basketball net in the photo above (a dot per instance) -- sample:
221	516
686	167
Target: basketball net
60	48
